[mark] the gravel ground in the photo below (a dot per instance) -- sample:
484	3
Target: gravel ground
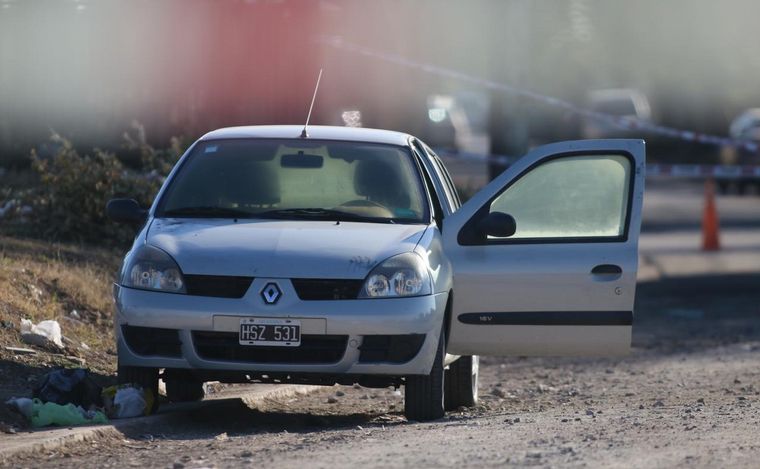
688	395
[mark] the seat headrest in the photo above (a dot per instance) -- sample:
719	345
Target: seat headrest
251	184
380	182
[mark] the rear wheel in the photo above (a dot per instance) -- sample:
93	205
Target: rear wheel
146	378
462	383
183	389
423	394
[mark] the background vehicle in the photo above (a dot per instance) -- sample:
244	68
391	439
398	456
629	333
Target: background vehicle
623	103
746	127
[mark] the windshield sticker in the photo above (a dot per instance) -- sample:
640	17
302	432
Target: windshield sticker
211	149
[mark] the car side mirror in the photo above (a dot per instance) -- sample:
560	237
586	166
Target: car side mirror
125	211
498	224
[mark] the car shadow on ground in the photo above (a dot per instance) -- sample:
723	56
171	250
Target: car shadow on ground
234	418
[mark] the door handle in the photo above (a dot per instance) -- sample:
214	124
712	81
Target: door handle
607	269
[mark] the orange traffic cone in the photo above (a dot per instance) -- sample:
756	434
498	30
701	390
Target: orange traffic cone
710	223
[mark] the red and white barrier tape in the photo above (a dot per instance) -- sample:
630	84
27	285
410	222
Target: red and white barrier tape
627	123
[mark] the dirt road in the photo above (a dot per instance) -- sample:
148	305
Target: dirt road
689	395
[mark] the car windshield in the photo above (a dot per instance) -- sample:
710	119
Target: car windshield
297	179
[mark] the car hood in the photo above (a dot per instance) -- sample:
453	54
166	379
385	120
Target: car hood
281	249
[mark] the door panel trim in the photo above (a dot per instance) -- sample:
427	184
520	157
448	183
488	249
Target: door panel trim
549	318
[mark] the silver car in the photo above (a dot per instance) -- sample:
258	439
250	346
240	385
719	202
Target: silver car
344	256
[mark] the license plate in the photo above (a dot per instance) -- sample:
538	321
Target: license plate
270	331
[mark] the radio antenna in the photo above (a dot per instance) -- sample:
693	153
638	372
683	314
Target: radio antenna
304	134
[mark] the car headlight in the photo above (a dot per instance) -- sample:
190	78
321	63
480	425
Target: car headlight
150	268
398	276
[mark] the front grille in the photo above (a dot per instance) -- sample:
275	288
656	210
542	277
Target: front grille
314	349
390	348
152	341
220	286
327	289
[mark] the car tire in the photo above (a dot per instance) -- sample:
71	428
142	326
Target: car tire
423	394
146	378
184	390
462	383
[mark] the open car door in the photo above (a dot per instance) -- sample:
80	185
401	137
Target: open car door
545	256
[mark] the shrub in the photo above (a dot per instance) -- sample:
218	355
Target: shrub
75	189
153	160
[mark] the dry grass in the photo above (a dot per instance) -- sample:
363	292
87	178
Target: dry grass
40	280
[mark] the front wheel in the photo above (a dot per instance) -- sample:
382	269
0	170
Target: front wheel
423	394
183	389
462	382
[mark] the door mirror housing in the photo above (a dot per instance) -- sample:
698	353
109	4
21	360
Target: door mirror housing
125	211
498	224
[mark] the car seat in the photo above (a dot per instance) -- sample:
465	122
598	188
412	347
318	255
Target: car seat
251	184
380	182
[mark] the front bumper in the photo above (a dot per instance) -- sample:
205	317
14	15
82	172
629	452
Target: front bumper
197	318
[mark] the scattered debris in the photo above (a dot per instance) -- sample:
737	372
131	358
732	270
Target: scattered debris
69	386
78	360
34	291
5	428
20	351
42	414
42	334
127	400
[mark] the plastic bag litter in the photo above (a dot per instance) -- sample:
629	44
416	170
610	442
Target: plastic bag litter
41	334
69	386
24	405
127	400
48	413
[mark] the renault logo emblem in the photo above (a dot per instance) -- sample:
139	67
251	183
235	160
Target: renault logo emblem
271	293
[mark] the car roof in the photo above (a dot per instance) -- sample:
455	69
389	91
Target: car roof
316	132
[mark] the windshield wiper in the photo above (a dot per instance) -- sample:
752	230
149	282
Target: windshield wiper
206	212
319	214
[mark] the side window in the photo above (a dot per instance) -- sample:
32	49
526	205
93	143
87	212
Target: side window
570	197
450	197
457	202
437	210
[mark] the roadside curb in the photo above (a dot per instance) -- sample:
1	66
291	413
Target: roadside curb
36	442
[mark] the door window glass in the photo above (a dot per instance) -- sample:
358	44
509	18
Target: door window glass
574	196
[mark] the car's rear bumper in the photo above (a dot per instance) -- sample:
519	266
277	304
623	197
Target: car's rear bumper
337	335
